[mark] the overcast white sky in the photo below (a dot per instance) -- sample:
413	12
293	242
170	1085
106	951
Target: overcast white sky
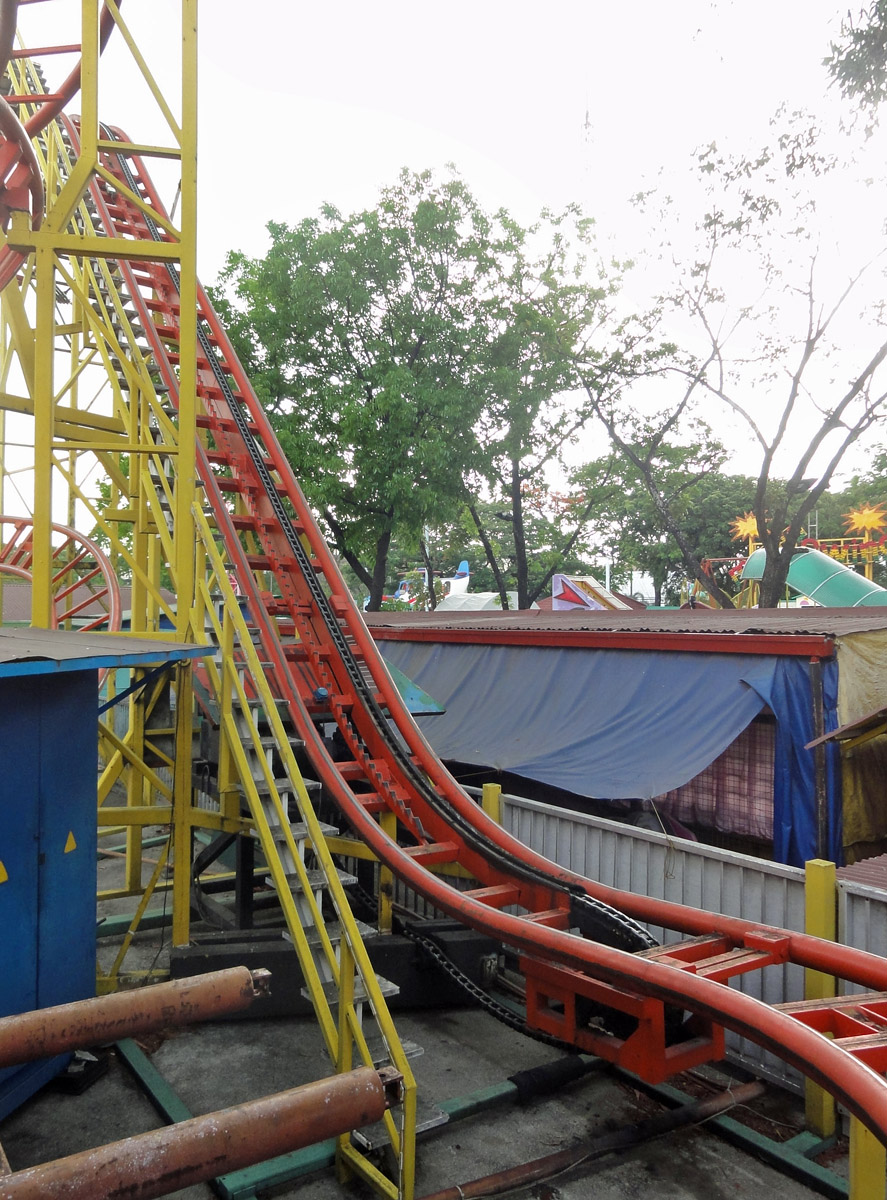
579	100
535	104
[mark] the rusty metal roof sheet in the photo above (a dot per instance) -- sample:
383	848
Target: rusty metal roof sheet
870	871
861	730
819	622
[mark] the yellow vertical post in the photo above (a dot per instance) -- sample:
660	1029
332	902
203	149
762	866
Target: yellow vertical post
868	1163
229	787
186	473
388	821
820	921
44	421
135	787
184	727
491	801
345	1059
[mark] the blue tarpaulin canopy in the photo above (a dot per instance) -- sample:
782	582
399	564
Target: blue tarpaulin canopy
620	724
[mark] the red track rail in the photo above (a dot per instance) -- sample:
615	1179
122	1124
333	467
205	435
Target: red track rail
21	181
309	669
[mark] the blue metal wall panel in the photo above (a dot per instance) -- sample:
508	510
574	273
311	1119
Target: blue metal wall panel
19	845
19	837
47	852
68	836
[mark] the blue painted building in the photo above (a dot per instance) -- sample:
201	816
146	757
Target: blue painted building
48	771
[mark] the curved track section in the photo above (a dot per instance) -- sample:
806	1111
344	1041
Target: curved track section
21	180
85	588
578	943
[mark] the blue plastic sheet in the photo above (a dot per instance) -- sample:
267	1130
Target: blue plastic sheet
621	724
785	685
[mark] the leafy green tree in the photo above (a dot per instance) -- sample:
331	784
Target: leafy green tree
866	489
555	297
412	360
484	534
704	506
365	339
858	62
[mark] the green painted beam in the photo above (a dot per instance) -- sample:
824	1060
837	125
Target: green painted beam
119	926
243	1185
153	1084
790	1157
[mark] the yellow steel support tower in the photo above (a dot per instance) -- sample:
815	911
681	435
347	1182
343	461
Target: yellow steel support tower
91	441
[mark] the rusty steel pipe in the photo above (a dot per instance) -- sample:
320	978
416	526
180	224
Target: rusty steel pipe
164	1160
49	1031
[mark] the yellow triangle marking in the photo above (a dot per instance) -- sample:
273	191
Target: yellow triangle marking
3	874
70	844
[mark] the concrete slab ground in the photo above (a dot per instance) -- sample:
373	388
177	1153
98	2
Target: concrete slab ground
216	1065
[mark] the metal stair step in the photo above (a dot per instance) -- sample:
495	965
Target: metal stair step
375	1137
331	990
284	784
334	933
299	830
380	1053
316	879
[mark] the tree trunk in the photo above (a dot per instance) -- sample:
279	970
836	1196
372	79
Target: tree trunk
338	536
380	570
521	567
773	579
429	576
488	551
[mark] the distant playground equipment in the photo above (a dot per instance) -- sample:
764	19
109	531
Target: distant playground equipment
832	572
822	578
582	591
414	583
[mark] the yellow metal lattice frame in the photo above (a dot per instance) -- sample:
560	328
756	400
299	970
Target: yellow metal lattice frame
83	377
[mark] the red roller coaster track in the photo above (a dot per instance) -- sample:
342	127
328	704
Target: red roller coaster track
322	659
21	181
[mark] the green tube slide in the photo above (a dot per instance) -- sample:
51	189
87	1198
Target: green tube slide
824	580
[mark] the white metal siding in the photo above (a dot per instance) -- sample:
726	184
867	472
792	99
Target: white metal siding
862	919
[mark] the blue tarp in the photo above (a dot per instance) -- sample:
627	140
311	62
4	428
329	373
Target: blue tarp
621	724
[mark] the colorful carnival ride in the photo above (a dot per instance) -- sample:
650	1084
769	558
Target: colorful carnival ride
833	572
124	406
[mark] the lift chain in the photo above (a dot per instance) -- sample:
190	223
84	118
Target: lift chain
500	1011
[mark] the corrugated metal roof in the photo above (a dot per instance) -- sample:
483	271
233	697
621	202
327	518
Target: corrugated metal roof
870	871
818	622
38	651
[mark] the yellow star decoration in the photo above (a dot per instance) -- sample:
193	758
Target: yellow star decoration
744	527
866	519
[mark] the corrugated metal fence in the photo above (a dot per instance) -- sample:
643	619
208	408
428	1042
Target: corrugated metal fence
703	877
